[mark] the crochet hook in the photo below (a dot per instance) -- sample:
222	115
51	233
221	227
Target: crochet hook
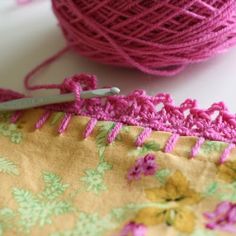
26	103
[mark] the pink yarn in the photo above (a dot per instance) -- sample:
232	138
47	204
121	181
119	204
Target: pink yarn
114	132
156	37
44	117
65	122
226	153
143	136
15	116
197	147
89	128
171	143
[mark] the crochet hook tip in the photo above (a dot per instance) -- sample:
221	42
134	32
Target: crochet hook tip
26	103
115	90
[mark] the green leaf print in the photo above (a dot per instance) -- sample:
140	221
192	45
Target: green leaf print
128	211
123	213
202	232
126	130
11	131
38	209
89	225
6	219
104	129
5	116
210	147
94	178
103	167
221	191
211	189
56	117
8	167
146	148
53	186
162	175
227	192
94	181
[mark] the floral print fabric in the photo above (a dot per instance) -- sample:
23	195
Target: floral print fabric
60	185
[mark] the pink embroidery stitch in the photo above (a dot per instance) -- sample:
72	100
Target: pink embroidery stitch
15	116
64	123
139	109
143	166
143	136
114	132
133	229
45	116
89	128
171	143
223	218
197	147
226	153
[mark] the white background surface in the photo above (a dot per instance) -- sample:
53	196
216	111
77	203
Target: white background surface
29	34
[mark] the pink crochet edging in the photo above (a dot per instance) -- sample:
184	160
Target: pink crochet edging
139	109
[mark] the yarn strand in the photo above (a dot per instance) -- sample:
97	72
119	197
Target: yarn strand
41	66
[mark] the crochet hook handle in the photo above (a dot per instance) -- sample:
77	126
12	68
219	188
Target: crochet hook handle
26	103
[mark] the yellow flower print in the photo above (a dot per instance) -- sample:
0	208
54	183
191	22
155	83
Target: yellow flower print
176	189
227	171
179	196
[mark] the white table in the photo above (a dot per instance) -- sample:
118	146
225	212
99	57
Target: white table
29	34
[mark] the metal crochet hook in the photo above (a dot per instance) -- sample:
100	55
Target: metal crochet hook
26	103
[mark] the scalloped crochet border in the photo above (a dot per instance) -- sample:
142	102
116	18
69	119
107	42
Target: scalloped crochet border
155	112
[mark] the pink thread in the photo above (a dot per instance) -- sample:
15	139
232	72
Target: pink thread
171	143
133	229
114	132
7	94
45	116
90	126
197	147
143	166
15	116
38	68
226	153
65	122
143	136
139	109
156	37
223	218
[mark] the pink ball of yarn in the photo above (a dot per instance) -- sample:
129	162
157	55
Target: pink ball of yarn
159	37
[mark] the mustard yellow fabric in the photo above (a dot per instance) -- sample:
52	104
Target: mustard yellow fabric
66	185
